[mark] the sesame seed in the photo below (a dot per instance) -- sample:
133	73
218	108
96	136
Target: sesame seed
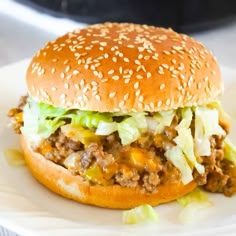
182	76
110	72
139	76
149	75
168	102
141	49
68	77
177	48
63	96
159	103
127	81
66	85
153	57
140	56
85	98
121	104
140	105
162	86
180	87
75	72
92	67
116	77
53	70
166	52
192	71
120	54
103	44
67	69
173	61
140	98
152	105
54	89
94	83
165	66
137	93
137	62
175	72
100	75
114	59
199	85
112	94
82	83
97	97
66	61
76	86
104	80
96	73
189	83
126	59
136	85
62	75
126	96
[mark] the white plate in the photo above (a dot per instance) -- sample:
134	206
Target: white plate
29	209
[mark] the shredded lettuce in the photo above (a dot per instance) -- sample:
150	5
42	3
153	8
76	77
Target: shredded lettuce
206	125
229	151
128	129
89	119
184	140
194	212
187	116
176	156
106	128
217	105
164	118
79	133
194	204
141	214
41	120
210	121
197	195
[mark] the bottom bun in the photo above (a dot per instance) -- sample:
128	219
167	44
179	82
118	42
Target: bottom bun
61	181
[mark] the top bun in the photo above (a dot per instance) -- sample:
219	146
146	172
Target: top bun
124	67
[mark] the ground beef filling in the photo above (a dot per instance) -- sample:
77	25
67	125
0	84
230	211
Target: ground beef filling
141	164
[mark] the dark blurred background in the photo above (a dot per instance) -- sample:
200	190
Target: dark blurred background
186	16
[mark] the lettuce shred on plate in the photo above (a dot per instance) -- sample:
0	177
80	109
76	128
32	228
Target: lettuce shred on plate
194	204
141	214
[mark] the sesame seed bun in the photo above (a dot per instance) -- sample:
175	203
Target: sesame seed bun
62	182
124	67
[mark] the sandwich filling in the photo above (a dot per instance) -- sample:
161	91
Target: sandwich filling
134	149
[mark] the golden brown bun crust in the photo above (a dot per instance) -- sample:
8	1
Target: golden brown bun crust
123	67
60	181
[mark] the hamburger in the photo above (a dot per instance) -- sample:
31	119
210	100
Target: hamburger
119	115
